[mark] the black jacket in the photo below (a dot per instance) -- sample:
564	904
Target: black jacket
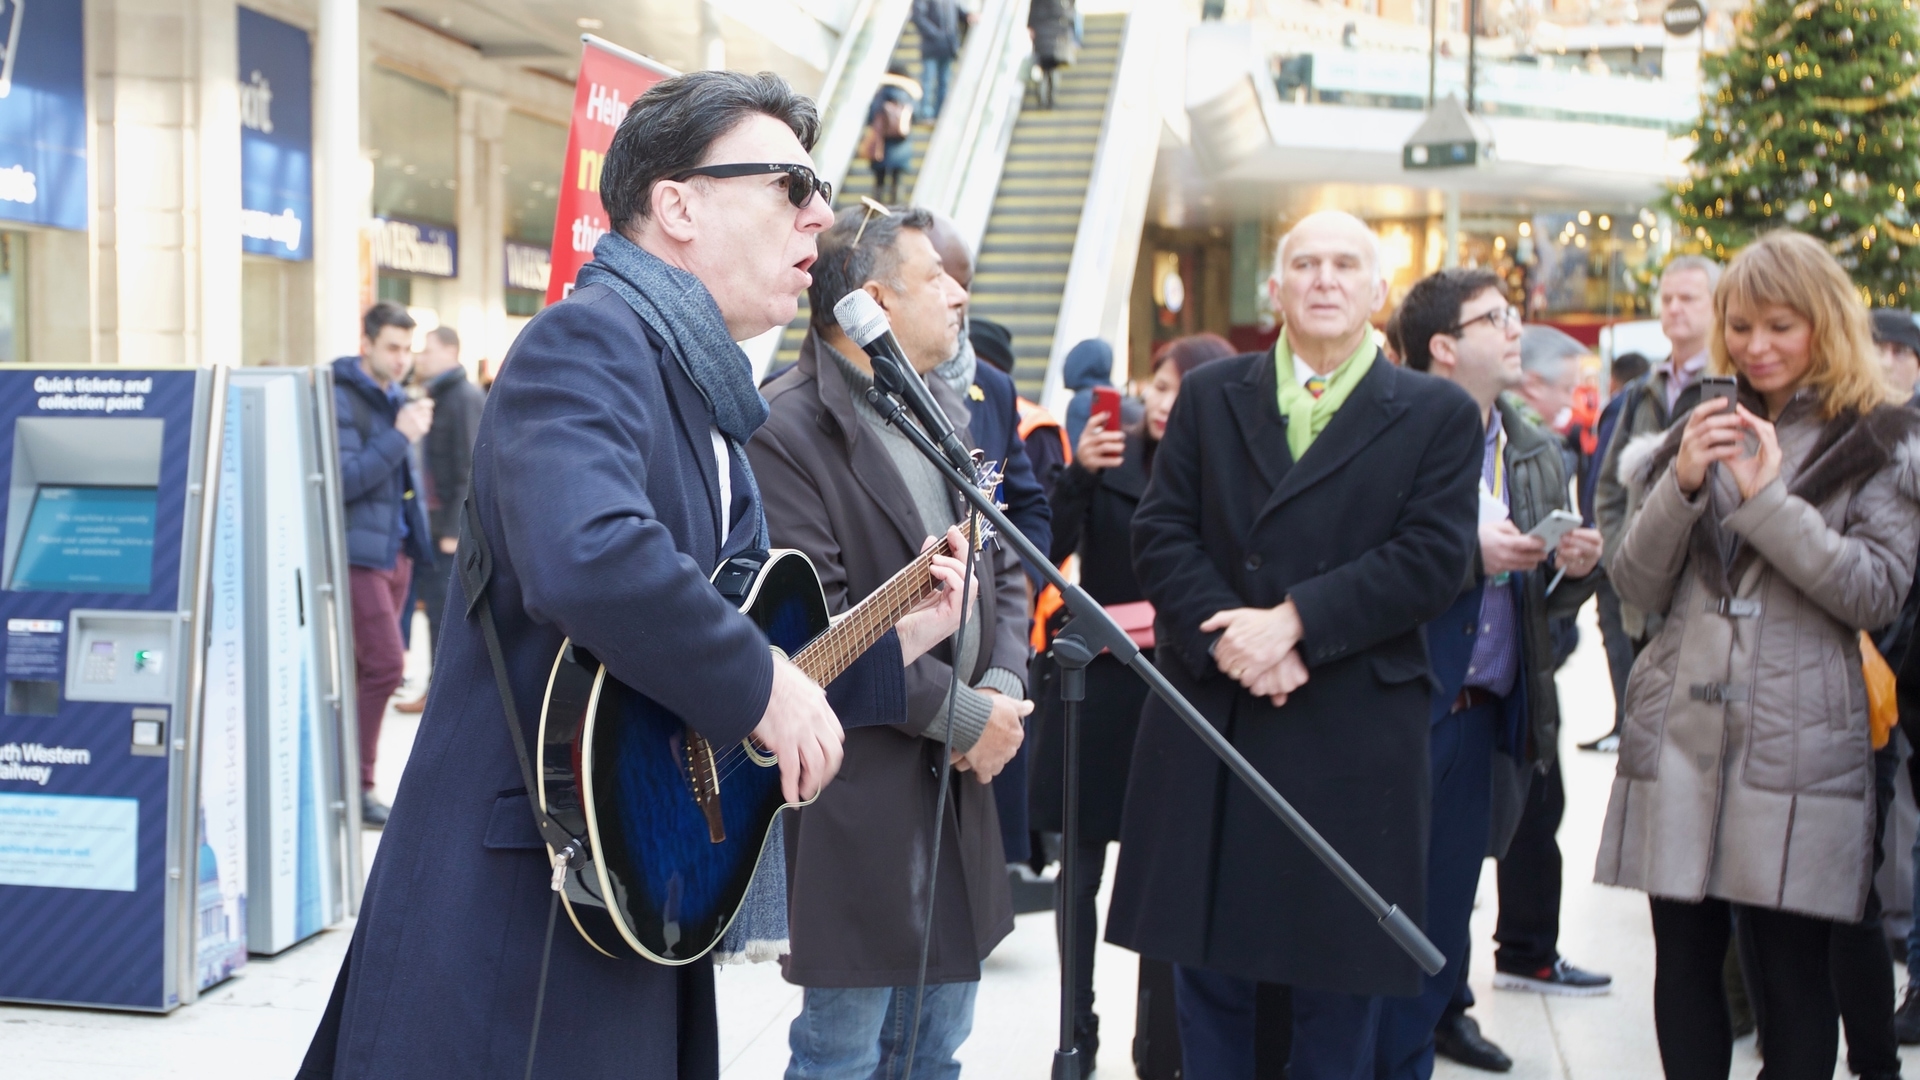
376	480
1369	534
456	421
1093	518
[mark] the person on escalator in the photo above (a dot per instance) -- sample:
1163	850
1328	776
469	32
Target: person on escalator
888	146
1050	24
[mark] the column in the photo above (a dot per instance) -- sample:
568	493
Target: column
340	180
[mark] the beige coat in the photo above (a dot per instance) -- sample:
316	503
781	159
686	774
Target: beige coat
1745	768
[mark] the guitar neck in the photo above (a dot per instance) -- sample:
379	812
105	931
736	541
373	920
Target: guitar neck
825	657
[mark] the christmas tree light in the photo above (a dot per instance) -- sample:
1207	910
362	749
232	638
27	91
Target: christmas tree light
1812	121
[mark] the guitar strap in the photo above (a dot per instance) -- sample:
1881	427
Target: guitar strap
475	565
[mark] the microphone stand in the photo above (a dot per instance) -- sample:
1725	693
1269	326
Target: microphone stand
1090	631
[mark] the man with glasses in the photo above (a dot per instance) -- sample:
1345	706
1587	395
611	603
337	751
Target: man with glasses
1496	717
610	477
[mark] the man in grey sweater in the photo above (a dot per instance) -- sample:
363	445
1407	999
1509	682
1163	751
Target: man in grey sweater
851	492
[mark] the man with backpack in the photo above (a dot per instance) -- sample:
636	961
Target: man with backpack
385	524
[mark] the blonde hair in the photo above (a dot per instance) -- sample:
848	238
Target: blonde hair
1795	270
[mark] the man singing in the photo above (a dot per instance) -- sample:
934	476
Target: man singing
1310	507
851	491
610	479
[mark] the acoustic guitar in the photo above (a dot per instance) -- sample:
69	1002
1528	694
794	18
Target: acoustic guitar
674	825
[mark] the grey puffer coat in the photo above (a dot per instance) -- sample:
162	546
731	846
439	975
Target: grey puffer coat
1745	769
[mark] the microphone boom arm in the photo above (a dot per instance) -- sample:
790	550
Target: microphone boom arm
1097	630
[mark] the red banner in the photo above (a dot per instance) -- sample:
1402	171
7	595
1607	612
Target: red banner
610	78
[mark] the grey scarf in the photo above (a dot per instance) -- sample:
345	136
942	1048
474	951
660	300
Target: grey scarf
680	309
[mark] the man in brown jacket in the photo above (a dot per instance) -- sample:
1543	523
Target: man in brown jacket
852	493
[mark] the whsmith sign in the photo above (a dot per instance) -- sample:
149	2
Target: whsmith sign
408	247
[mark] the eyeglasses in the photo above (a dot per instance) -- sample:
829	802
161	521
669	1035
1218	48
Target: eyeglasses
1499	318
874	206
801	182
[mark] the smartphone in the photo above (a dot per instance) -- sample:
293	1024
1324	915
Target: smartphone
1554	526
1106	403
1720	386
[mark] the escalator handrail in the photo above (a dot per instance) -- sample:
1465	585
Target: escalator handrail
1106	245
961	170
845	92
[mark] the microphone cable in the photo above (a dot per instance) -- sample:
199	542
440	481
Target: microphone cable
940	804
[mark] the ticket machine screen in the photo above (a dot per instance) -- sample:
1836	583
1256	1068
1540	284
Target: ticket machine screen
87	539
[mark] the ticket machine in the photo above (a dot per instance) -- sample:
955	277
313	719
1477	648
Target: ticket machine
173	729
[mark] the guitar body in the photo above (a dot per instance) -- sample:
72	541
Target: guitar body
674	826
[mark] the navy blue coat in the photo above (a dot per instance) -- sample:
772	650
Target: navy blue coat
376	479
596	486
995	426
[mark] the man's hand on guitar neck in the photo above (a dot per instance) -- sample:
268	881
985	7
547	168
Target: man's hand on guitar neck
936	619
800	728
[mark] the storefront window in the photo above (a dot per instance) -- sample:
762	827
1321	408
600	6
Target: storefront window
534	151
415	134
13	297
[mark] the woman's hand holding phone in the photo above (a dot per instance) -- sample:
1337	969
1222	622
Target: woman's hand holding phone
1718	430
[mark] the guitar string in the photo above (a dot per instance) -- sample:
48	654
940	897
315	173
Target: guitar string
864	625
872	616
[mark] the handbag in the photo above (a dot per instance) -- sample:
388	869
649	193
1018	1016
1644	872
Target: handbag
1136	619
1883	708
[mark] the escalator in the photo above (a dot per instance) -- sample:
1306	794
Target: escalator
859	181
1024	256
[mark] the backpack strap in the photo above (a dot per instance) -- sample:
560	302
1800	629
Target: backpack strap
474	563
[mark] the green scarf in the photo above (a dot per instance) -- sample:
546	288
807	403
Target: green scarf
1307	416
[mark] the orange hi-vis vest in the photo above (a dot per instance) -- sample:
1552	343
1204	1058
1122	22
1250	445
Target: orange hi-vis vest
1032	419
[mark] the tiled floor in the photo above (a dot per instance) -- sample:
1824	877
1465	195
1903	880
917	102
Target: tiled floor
257	1025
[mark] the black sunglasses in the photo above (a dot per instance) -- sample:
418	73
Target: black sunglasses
801	182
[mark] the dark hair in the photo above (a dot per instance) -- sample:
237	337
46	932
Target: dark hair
1396	345
1187	353
1433	307
670	128
843	265
382	315
446	335
1628	366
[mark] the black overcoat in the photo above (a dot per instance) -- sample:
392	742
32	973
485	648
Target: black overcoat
597	487
1369	534
1093	518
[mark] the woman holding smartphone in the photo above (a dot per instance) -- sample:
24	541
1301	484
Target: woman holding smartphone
1773	530
1093	505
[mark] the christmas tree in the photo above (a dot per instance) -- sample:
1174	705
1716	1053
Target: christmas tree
1812	121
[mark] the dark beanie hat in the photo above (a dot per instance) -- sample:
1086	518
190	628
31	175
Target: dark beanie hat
992	343
1894	326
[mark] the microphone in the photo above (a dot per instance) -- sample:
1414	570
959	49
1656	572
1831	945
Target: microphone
860	316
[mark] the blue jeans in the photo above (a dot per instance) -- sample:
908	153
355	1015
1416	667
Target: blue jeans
935	77
1333	1034
1462	806
862	1032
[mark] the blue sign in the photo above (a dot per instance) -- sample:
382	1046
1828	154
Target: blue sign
43	114
409	247
276	137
